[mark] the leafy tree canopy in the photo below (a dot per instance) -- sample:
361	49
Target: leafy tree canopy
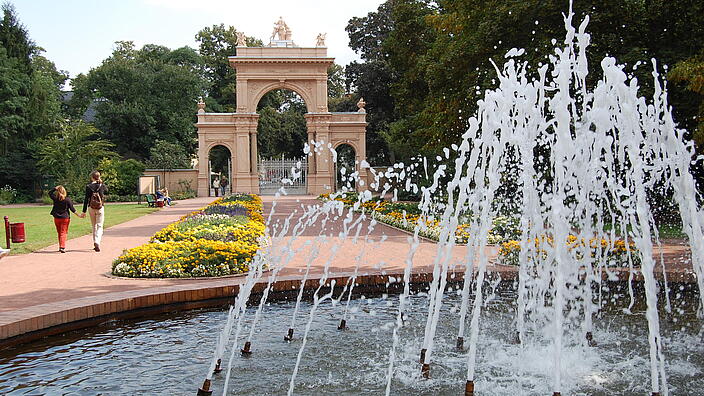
71	153
168	155
30	102
215	44
426	63
690	73
142	96
282	125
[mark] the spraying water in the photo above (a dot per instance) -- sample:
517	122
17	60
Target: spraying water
581	162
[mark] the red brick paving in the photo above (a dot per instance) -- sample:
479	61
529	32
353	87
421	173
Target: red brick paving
47	288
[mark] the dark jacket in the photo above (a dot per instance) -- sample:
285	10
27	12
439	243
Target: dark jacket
60	210
100	188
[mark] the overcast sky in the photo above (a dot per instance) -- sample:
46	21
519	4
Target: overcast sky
78	34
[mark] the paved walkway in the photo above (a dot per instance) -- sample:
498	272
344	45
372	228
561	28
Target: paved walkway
47	282
48	276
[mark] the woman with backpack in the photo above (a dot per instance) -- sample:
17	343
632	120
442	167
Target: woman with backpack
62	216
94	202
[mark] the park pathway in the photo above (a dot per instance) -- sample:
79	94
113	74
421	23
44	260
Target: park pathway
49	276
47	288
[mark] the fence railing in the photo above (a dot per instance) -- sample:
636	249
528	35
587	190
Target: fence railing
274	173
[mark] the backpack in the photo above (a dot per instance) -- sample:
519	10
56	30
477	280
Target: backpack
96	202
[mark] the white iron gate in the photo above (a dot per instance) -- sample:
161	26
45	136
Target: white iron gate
291	174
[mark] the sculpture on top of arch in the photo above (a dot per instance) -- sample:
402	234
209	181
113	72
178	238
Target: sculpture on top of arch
282	30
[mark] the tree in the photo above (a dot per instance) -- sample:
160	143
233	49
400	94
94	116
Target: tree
14	97
435	56
690	73
44	107
15	39
372	78
168	156
72	153
282	125
336	81
143	96
29	102
215	44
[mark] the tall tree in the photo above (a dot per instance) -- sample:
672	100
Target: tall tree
336	81
29	101
372	78
215	44
143	96
15	39
435	55
690	73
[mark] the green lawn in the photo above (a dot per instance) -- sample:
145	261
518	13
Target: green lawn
665	231
39	224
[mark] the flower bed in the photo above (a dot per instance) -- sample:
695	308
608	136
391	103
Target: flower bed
220	239
615	254
406	216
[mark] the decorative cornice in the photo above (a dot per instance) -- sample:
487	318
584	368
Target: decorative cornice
259	60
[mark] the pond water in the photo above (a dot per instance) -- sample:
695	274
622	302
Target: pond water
169	354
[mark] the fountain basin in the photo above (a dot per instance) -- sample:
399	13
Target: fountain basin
167	353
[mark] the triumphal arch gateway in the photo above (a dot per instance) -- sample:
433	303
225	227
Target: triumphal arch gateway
281	64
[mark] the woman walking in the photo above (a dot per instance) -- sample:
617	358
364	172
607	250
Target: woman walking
216	185
60	211
94	202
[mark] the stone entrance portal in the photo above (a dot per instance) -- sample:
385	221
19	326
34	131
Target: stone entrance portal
303	70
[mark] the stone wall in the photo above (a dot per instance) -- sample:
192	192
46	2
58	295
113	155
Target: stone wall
170	179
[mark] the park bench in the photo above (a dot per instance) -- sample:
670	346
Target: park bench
151	200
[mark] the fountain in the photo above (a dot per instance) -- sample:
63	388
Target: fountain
578	159
582	157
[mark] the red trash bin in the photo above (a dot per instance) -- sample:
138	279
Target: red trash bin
17	232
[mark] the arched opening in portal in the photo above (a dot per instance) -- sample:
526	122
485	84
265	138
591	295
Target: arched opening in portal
281	135
345	166
220	171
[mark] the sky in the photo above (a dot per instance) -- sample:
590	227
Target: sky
78	34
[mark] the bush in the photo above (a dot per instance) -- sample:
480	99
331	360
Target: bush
7	195
71	154
183	195
46	199
122	198
121	177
